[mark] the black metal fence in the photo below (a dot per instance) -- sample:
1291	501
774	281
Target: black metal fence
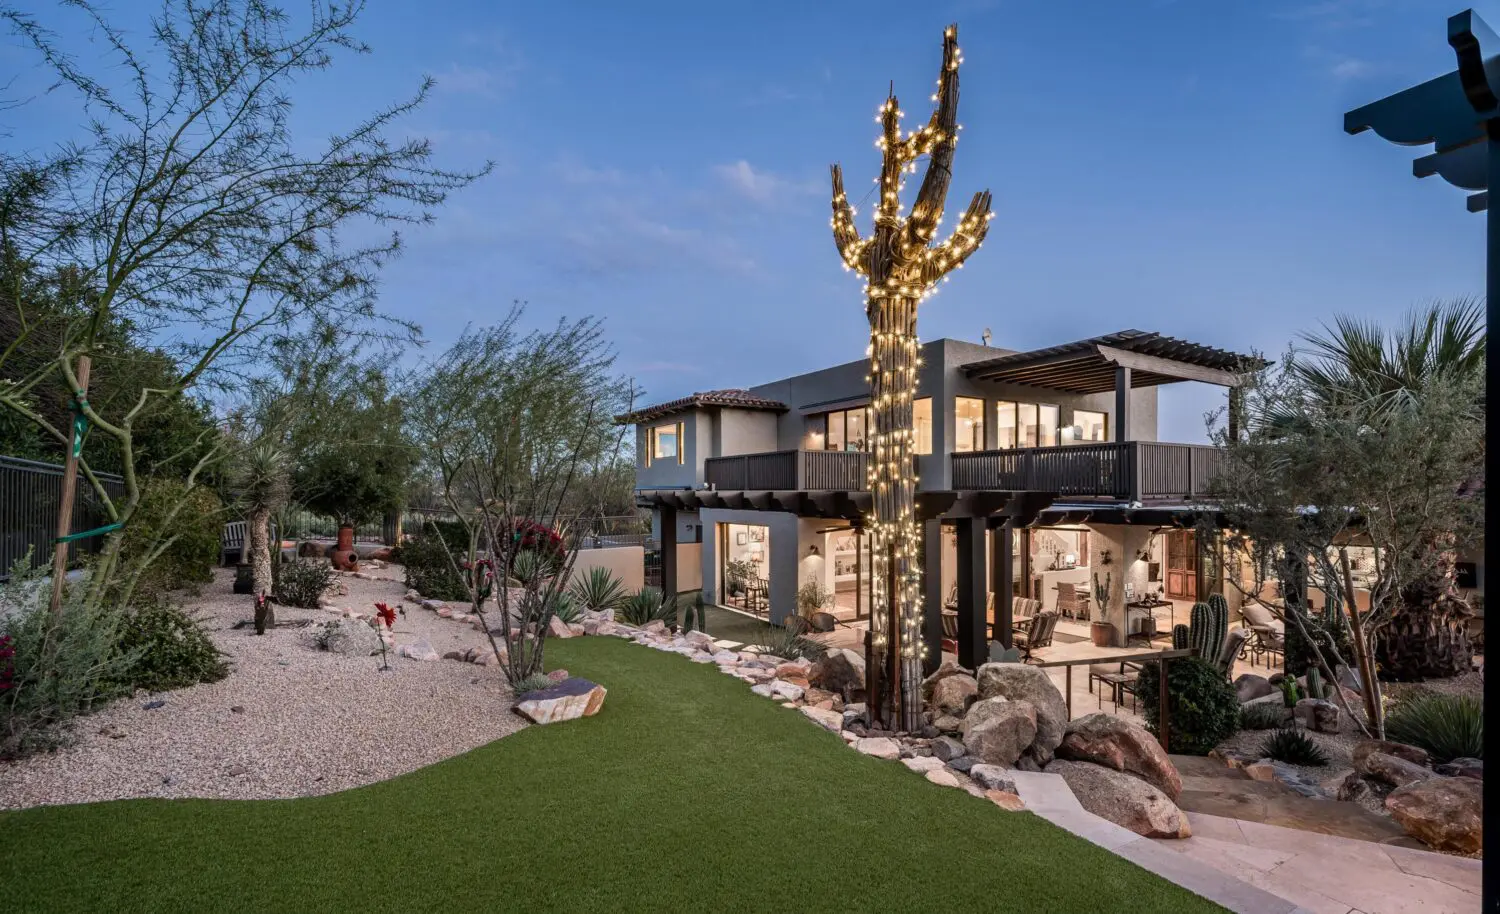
30	493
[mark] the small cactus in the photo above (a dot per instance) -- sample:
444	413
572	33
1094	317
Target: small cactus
1180	637
1315	683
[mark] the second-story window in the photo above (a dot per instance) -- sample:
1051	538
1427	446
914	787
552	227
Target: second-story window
921	423
1088	425
665	444
968	424
1026	424
844	430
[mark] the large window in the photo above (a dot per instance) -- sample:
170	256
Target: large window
1088	425
921	423
1026	424
844	430
968	424
664	443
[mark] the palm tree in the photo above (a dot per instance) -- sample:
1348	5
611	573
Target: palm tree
1359	360
263	480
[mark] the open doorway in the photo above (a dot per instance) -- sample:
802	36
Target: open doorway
744	567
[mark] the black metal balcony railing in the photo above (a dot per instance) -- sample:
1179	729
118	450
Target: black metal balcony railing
805	471
1127	471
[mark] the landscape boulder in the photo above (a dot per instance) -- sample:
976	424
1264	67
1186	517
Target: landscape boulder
997	731
945	669
1115	742
1397	772
1317	714
1249	687
947	748
840	669
557	628
703	641
992	777
1463	768
1443	813
1127	801
352	638
1364	748
953	694
570	699
1023	682
878	746
829	720
418	650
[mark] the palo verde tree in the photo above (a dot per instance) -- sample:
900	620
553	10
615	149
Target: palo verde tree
511	421
191	210
901	266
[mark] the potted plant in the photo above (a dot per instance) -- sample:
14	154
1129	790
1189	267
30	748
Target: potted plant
1102	632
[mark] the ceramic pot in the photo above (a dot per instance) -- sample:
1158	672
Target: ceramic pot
343	555
1102	634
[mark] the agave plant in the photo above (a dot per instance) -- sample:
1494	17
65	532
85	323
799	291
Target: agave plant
650	605
1447	726
529	566
788	643
566	609
1294	747
599	589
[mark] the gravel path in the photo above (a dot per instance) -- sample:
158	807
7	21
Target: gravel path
289	721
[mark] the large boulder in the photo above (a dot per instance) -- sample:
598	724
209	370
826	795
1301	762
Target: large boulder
832	721
1365	747
1397	772
1114	742
351	637
570	699
878	746
997	731
945	669
1462	768
1317	714
953	694
1127	801
1249	687
1444	813
1023	682
839	669
703	641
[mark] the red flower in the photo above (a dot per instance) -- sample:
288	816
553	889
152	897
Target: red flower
385	614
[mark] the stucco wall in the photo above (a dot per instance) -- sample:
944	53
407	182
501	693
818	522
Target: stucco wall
689	566
784	535
627	563
744	431
697	433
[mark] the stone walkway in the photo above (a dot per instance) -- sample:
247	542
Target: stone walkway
1254	868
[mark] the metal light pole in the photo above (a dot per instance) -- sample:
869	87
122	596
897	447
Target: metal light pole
1459	114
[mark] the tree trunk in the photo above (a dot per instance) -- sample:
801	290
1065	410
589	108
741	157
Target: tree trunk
1425	642
260	549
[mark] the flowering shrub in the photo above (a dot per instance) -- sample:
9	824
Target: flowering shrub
530	536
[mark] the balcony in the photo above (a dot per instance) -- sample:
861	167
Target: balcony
779	471
1125	471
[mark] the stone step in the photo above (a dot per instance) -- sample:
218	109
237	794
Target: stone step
1205	767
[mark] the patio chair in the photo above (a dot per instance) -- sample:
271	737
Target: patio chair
1234	644
1037	633
1269	632
234	541
1071	603
757	593
950	632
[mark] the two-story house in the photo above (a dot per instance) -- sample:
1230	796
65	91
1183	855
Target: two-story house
1040	475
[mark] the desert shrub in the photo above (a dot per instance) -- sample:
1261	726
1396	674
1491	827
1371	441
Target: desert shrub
1262	716
566	609
430	566
788	643
598	589
1447	726
58	666
1330	631
648	606
303	583
1290	745
531	684
171	648
531	536
197	527
1205	709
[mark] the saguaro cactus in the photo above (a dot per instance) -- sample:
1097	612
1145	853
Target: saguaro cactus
1209	625
901	267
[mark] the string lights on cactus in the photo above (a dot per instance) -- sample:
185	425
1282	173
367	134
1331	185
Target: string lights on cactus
902	269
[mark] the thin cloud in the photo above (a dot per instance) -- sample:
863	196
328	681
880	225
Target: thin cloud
758	185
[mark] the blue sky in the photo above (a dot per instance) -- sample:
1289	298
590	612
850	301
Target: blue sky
1172	166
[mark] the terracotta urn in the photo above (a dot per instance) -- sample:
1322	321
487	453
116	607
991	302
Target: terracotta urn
343	556
1102	634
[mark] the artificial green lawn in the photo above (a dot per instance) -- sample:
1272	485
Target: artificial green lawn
686	792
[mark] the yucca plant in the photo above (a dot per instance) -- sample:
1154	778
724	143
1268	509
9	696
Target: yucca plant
528	567
598	590
1294	747
649	605
1447	726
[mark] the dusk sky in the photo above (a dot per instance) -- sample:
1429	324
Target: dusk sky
1170	166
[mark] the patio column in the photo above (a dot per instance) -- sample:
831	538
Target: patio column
1002	564
932	594
1122	403
668	551
973	645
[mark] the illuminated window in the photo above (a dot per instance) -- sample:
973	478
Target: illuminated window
1087	426
1048	418
968	424
665	443
1027	424
1005	424
921	423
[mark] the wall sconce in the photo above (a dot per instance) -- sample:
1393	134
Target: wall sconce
813	549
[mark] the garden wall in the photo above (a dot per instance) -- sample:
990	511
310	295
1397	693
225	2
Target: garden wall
627	563
689	566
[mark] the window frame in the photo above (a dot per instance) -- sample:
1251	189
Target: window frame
973	447
653	437
1103	425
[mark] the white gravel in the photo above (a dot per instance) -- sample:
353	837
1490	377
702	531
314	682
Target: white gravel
311	722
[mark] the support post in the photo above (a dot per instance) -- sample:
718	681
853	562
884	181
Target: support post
973	626
668	552
932	594
1002	545
1122	403
69	490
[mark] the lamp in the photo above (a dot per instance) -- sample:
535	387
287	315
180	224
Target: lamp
813	549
